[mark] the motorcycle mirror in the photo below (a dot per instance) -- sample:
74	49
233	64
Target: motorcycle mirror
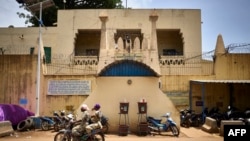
167	114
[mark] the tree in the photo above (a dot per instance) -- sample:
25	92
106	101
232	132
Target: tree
49	15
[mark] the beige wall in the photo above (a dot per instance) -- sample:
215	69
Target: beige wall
12	43
180	82
232	66
111	91
60	101
18	80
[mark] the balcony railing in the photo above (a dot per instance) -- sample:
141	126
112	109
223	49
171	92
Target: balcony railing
78	65
88	65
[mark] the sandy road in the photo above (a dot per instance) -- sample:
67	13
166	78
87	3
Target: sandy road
191	134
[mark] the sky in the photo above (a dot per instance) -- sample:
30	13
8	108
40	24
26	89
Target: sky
230	18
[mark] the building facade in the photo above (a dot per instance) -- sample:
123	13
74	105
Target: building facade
109	57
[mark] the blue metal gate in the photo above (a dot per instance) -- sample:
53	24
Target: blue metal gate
127	68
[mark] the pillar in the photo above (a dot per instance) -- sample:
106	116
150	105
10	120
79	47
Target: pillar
153	18
103	17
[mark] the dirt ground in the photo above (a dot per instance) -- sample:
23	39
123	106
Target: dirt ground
190	134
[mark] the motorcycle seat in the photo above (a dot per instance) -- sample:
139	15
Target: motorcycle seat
156	122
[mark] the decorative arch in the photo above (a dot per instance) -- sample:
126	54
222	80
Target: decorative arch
127	68
128	36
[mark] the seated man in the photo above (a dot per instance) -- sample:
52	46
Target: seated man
77	130
95	119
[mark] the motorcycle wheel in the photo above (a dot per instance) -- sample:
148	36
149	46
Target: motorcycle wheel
45	125
185	124
175	130
96	137
188	123
56	127
62	137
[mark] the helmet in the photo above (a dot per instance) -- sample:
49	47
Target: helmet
70	116
62	113
55	113
97	107
84	107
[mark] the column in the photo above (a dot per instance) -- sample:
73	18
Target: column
153	17
103	17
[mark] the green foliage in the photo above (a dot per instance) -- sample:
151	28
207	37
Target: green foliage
49	15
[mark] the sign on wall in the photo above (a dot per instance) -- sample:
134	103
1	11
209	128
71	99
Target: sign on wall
69	87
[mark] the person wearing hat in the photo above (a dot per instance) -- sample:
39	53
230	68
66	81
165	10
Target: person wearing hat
95	119
84	121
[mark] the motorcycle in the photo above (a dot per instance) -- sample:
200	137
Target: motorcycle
184	121
247	117
105	124
60	120
46	123
190	118
234	113
215	113
66	134
155	125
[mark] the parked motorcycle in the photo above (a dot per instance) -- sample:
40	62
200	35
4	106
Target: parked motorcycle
247	117
46	123
66	135
234	113
61	120
190	118
216	114
155	125
184	120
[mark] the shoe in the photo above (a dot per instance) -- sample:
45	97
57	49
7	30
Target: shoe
84	137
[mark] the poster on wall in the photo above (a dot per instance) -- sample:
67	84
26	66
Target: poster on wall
69	87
